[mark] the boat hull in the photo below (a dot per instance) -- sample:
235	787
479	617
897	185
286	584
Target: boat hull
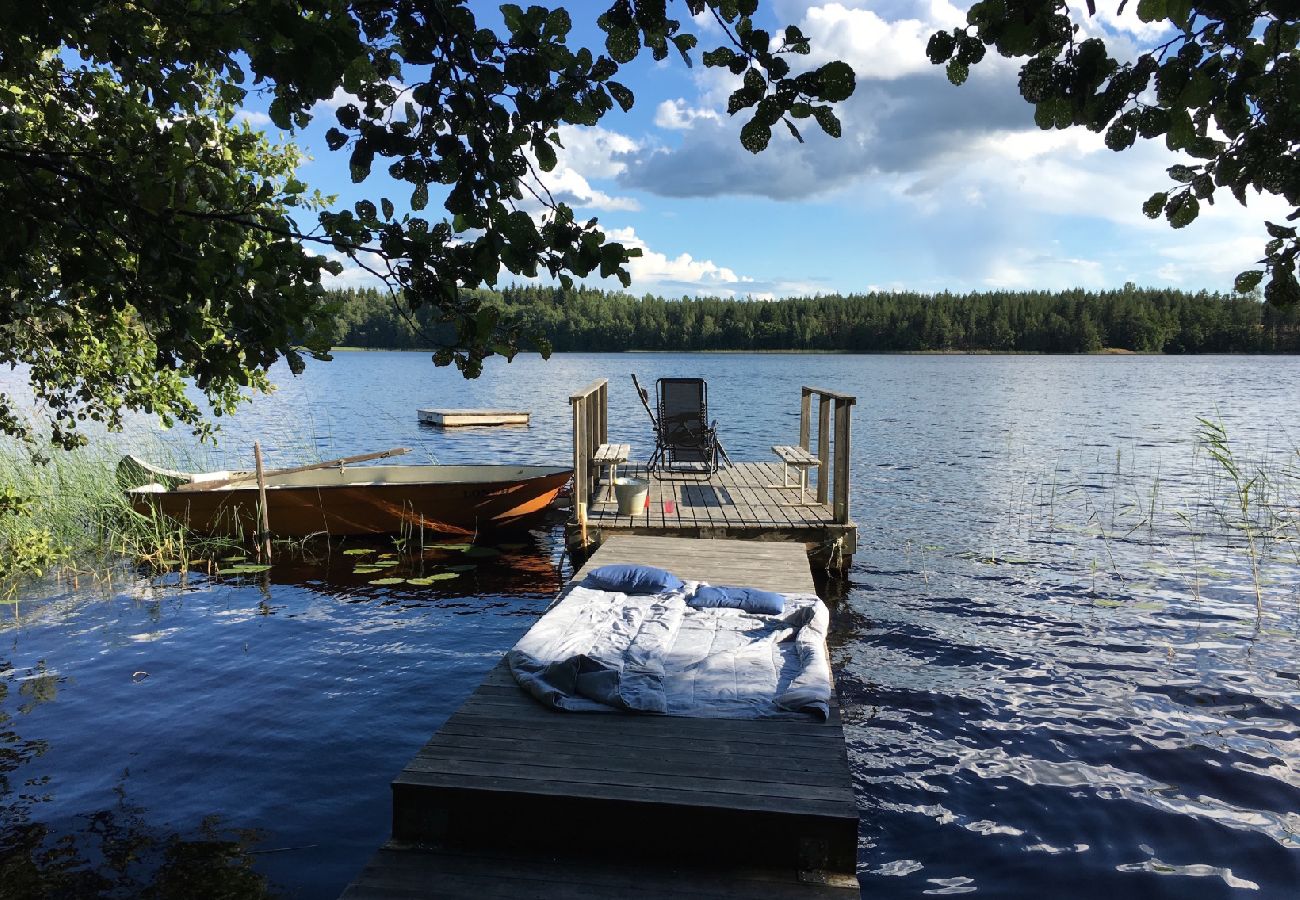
496	498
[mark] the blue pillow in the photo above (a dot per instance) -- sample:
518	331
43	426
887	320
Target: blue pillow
630	579
751	600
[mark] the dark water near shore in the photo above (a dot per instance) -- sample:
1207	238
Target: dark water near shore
1053	675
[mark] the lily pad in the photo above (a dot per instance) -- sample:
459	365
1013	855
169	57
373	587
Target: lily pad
430	579
357	551
383	563
386	581
482	552
388	556
366	570
465	546
233	558
244	569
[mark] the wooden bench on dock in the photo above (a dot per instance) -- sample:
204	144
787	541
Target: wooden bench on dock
513	799
799	458
611	456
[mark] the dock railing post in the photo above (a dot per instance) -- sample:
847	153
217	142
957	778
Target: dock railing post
843	408
590	409
833	447
824	474
805	403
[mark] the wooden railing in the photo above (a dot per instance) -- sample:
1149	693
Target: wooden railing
834	443
590	408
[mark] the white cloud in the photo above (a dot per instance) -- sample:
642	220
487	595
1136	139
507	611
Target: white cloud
587	153
672	276
252	117
352	276
874	47
676	115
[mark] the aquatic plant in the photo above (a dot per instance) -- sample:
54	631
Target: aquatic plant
1213	436
67	515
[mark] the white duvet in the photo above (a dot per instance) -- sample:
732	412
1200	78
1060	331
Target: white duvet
602	651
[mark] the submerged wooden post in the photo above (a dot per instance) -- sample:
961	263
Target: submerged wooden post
264	544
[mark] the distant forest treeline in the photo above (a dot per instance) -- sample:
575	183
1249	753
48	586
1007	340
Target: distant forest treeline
1139	319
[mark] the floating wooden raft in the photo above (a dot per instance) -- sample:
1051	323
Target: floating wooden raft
511	799
456	418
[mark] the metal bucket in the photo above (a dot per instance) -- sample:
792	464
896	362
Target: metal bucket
631	494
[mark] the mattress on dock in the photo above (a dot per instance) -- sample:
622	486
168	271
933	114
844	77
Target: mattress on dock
605	651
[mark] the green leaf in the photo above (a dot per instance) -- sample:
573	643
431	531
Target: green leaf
420	197
558	23
836	81
366	570
827	119
384	582
1182	209
545	153
1248	281
357	551
755	136
621	95
479	552
387	206
1151	10
1154	205
244	569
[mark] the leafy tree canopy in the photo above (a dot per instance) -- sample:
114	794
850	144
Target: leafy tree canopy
151	237
1224	89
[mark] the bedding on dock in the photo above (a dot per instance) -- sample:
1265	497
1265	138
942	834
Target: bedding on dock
607	651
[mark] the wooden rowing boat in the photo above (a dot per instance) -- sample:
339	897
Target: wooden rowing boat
339	500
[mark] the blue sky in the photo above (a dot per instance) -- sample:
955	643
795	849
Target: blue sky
932	187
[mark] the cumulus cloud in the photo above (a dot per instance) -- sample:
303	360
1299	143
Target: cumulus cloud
252	117
587	153
673	276
676	115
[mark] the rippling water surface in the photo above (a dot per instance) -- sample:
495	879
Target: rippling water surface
1053	672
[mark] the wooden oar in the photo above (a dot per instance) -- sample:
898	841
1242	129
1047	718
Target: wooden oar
292	470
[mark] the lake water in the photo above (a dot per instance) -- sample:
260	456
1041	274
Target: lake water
1053	675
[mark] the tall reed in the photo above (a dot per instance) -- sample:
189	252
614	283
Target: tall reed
68	512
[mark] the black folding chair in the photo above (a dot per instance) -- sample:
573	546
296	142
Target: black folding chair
683	433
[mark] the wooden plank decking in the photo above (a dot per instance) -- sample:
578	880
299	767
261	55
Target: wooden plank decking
745	500
511	799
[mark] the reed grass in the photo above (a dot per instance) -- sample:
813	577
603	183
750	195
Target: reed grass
67	514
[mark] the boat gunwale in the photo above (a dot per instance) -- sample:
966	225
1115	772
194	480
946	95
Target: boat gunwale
250	484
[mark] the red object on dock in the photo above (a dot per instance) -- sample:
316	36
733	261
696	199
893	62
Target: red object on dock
669	506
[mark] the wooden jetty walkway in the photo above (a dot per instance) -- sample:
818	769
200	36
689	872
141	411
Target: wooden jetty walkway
512	799
757	501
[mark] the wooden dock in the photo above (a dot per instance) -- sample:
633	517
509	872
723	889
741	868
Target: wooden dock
461	418
757	501
512	799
